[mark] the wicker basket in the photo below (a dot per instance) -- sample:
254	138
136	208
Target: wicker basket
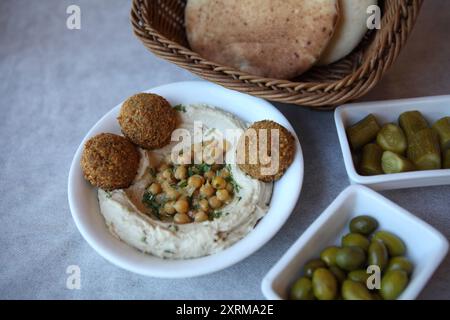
159	24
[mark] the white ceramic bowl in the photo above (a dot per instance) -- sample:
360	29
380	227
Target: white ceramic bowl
433	108
426	247
85	208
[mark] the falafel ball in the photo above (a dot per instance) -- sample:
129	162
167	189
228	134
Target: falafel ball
148	120
253	167
110	161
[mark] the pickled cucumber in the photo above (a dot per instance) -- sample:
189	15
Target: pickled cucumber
363	132
412	122
442	128
371	160
446	164
424	150
394	163
392	138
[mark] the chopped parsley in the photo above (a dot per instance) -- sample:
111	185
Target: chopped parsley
204	167
182	184
143	239
230	180
180	108
173	228
215	215
108	194
149	200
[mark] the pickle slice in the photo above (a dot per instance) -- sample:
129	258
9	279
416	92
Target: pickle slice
371	160
424	150
394	163
446	164
392	138
412	122
442	128
363	132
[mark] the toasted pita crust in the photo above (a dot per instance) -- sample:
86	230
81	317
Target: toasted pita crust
269	38
350	30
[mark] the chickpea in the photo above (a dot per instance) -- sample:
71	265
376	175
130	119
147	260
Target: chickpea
172	194
160	198
204	205
207	190
159	177
230	188
181	206
181	173
224	173
200	216
196	194
163	166
181	218
154	188
223	195
168	208
219	183
184	197
209	175
195	181
214	202
167	174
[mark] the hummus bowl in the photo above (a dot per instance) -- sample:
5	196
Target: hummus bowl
85	207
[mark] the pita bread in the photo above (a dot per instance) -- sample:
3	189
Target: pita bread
268	38
350	30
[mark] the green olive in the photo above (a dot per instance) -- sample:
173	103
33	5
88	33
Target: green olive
355	291
338	273
324	284
329	256
355	240
396	247
378	254
312	265
350	258
400	263
363	224
302	290
360	276
393	283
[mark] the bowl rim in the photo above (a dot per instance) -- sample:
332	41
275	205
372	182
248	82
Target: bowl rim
212	263
416	285
352	173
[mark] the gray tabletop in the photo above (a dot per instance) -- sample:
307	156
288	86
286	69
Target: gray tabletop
56	83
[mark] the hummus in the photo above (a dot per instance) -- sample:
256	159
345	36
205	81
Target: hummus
129	220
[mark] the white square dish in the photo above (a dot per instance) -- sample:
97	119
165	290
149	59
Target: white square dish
433	108
426	247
